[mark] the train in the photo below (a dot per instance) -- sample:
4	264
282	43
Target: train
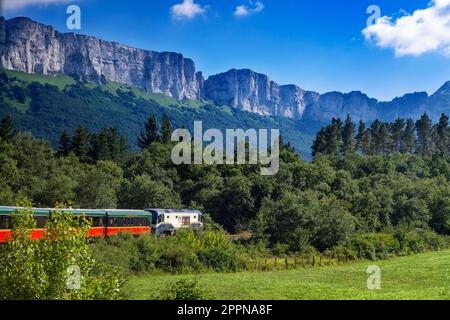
109	222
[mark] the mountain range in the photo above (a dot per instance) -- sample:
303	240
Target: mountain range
32	47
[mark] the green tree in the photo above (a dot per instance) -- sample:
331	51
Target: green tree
143	192
80	144
443	135
397	134
150	133
7	131
42	269
348	137
65	144
408	142
363	138
98	186
424	128
166	130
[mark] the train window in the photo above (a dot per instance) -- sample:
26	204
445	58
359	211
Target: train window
41	221
4	223
97	222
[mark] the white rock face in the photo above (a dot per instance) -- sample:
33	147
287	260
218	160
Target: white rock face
255	92
35	48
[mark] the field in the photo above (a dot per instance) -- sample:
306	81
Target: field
422	277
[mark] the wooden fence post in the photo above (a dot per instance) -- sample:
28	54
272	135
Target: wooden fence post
287	264
314	260
275	263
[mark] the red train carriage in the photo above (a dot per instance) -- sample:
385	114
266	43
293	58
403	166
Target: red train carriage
103	222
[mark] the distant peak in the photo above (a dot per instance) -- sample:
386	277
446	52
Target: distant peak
445	89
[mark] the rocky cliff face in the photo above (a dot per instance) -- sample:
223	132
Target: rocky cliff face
31	47
35	48
255	92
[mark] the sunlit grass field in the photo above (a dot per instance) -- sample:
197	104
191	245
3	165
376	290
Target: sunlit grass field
424	276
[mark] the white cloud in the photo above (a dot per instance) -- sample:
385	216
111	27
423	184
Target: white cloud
423	31
188	9
247	10
11	5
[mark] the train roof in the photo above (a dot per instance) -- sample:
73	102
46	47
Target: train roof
185	211
126	212
101	212
46	211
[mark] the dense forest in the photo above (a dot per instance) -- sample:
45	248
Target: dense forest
46	106
341	193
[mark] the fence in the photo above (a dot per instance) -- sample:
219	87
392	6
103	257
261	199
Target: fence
302	261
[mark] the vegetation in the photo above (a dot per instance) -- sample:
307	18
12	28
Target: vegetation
372	193
60	266
419	277
321	205
46	106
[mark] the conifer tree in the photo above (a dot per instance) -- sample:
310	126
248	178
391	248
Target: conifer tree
443	135
363	138
7	131
149	134
348	137
166	130
65	145
397	134
408	142
80	144
424	129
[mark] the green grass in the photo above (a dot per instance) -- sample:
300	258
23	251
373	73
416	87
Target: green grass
422	277
60	81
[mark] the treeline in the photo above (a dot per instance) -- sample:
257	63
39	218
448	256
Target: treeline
404	136
320	204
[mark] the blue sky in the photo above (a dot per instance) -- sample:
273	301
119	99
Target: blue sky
318	45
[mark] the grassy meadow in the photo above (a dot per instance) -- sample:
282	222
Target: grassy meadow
418	277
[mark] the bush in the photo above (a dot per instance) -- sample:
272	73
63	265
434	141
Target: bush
183	290
402	241
60	266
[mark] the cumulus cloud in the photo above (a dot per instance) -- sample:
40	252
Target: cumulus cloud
245	10
423	31
10	5
188	9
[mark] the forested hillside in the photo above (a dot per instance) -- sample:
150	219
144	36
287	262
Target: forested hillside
46	106
348	199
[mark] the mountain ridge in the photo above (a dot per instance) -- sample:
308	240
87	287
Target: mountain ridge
32	47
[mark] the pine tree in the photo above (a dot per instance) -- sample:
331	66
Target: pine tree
166	130
443	135
408	142
348	137
424	128
93	147
363	138
7	131
65	145
377	140
334	137
150	133
80	144
320	143
397	134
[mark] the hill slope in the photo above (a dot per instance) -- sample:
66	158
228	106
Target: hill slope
46	105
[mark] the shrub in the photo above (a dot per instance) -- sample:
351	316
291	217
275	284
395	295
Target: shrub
60	266
183	290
